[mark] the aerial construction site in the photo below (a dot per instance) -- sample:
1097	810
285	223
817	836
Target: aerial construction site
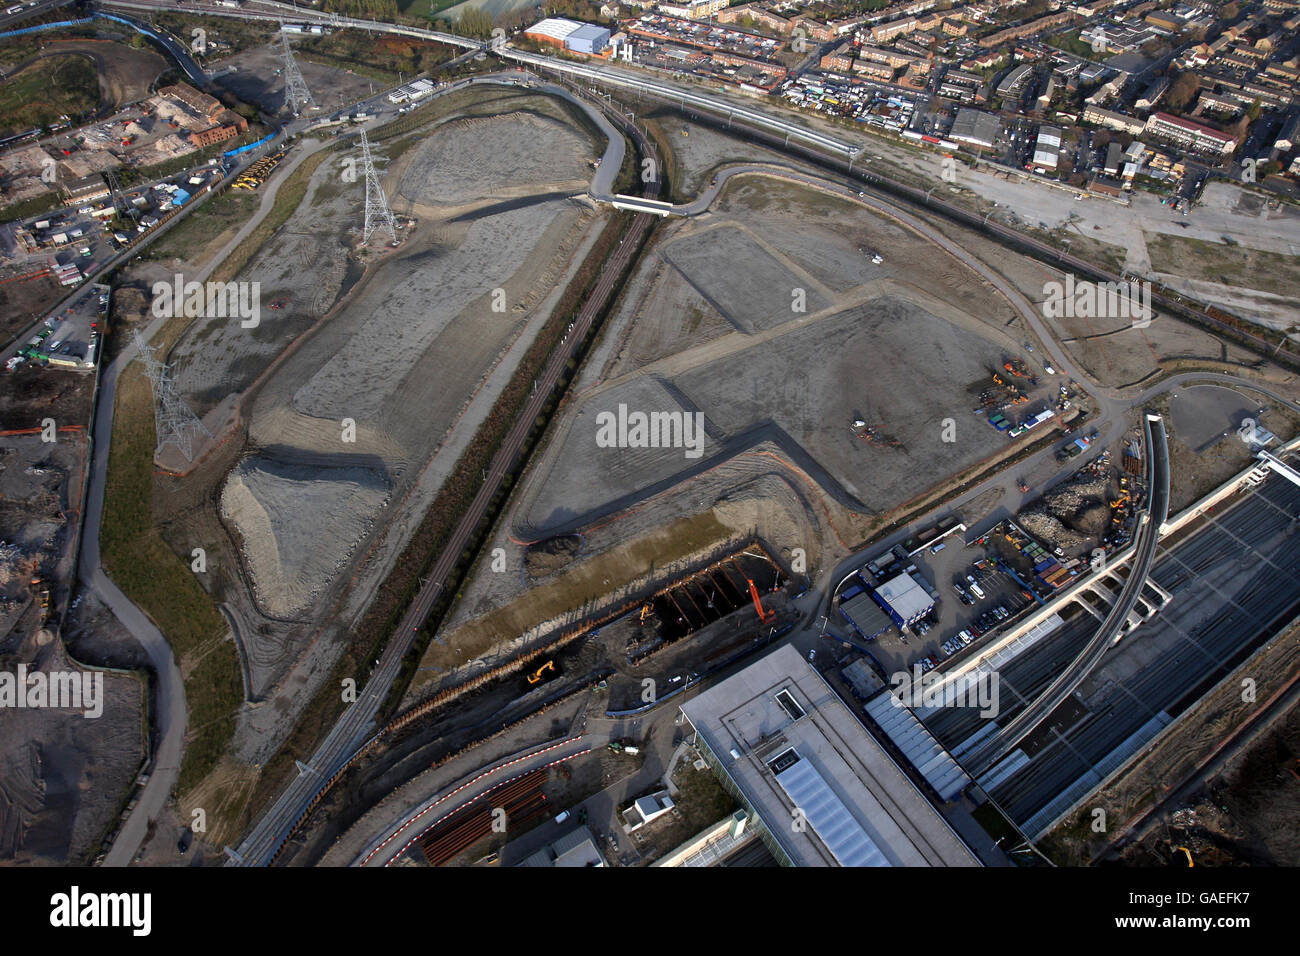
482	450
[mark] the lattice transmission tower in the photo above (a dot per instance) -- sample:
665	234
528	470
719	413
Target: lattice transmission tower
378	213
177	424
296	94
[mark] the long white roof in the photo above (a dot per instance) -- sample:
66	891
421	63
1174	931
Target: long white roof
557	28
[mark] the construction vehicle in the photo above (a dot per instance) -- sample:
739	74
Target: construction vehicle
765	616
536	676
646	611
1186	852
873	435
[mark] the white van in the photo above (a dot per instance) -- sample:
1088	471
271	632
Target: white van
562	816
975	589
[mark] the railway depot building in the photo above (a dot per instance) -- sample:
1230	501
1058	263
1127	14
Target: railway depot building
818	786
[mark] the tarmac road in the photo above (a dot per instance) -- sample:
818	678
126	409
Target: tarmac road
170	715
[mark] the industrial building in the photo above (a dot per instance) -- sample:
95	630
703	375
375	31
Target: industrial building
860	609
575	849
1047	148
570	35
817	785
904	599
975	127
413	92
589	39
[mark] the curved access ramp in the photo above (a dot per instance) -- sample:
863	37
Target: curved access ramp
1143	556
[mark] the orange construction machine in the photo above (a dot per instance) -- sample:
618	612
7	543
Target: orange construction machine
765	616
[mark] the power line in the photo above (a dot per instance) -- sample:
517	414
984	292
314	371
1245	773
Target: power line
296	93
378	213
176	423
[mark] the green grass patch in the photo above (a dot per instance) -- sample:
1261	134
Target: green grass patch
198	229
46	90
1233	264
161	584
287	199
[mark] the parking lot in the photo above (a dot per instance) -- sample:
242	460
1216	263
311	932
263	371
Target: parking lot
976	598
68	338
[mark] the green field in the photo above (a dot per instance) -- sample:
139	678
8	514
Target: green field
1230	265
424	8
162	585
44	91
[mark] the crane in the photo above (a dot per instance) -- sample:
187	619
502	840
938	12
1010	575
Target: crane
765	616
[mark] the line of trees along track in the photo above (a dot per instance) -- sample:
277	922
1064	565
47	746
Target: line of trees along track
457	554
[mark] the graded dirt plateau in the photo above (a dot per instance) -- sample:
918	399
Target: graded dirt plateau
283	511
785	331
494	157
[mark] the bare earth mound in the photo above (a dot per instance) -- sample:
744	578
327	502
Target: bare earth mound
299	525
474	159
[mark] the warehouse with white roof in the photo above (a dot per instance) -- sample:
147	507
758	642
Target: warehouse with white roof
570	35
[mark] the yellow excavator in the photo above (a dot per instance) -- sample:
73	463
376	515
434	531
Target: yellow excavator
536	676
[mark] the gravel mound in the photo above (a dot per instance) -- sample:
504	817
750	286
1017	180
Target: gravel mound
547	557
299	525
478	158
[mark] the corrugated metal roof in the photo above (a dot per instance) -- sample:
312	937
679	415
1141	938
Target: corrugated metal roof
557	28
908	599
830	819
918	745
867	616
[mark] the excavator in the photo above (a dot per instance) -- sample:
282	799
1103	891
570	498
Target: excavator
646	611
536	676
766	617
